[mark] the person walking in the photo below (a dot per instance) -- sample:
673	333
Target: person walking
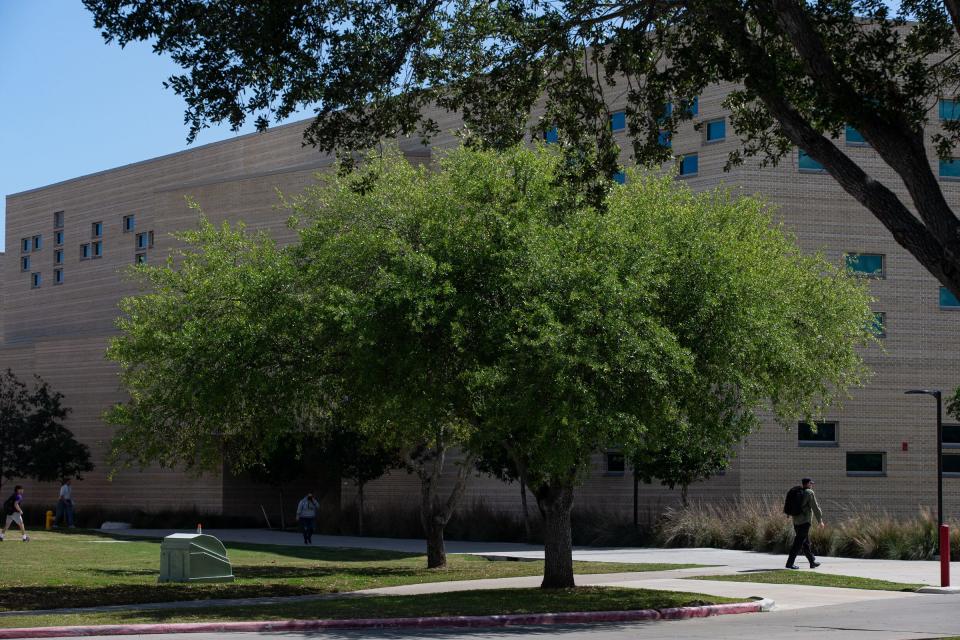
14	513
65	505
802	520
307	514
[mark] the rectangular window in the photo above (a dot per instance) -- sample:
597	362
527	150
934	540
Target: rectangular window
58	256
854	137
58	238
25	245
817	434
150	239
866	464
85	251
806	163
551	135
129	223
98	249
716	130
951	464
664	139
37	243
870	265
58	276
951	436
620	177
950	168
142	239
689	165
618	120
58	219
948	300
96	230
666	112
140	258
879	325
35	280
949	110
615	463
25	263
692	108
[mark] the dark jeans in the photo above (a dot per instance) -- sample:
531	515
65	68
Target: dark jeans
801	543
64	512
307	525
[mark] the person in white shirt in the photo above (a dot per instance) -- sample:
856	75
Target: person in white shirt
65	504
307	514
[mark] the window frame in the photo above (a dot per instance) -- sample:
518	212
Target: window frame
867	474
37	242
97	247
25	263
57	277
862	274
58	256
96	230
953	453
862	142
951	445
682	160
950	307
140	258
58	219
882	316
706	131
85	251
129	223
58	237
36	280
613	473
25	245
953	162
955	109
619	113
818	443
801	154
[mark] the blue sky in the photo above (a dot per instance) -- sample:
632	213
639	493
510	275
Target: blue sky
71	105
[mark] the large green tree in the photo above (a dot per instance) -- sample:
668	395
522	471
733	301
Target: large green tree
803	70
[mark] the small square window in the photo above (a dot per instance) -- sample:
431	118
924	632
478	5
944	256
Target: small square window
618	120
58	219
98	249
620	177
948	300
25	263
949	110
129	223
950	168
58	238
870	265
716	130
879	325
58	276
37	243
951	464
36	280
25	245
616	465
551	135
58	256
689	165
140	258
96	230
854	137
866	464
817	434
807	164
665	139
951	436
85	251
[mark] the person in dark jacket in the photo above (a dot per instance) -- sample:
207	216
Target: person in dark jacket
801	526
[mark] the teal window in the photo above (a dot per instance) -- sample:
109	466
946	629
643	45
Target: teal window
85	251
806	163
620	177
140	258
58	238
879	325
36	279
551	135
98	249
58	276
616	464
141	241
716	130
25	245
37	243
948	300
25	263
950	168
689	165
664	139
129	223
58	256
58	219
694	107
96	230
866	264
866	464
817	434
949	110
618	120
854	137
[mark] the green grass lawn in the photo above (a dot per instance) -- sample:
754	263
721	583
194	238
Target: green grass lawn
87	569
814	579
489	601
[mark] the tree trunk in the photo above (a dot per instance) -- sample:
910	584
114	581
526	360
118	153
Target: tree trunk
360	513
523	502
636	500
434	514
283	519
683	495
556	503
436	550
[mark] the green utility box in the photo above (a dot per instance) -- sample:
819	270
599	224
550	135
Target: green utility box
194	557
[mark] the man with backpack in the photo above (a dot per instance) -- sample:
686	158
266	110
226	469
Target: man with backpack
13	513
801	505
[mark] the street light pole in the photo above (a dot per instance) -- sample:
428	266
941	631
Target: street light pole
943	531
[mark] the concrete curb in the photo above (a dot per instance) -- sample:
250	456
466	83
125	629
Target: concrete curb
676	613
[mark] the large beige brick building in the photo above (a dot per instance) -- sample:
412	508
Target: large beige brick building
67	244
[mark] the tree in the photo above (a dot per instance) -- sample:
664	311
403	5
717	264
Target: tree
504	463
804	71
689	457
34	443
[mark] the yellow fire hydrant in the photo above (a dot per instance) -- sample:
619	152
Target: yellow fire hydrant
49	524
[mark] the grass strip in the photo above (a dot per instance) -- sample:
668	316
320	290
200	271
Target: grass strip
813	579
466	603
57	570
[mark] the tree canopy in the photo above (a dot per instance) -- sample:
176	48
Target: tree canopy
801	71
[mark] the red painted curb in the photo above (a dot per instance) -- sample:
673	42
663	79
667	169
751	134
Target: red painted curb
677	613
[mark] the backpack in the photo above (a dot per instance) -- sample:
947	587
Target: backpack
8	505
793	505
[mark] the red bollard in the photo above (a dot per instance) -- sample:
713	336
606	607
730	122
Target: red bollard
944	555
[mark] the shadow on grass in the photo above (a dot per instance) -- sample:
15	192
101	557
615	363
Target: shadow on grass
271	572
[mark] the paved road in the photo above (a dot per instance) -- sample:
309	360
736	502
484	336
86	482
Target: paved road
932	616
